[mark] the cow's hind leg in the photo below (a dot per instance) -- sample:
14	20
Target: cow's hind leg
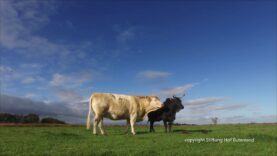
128	125
95	123
133	119
100	126
169	126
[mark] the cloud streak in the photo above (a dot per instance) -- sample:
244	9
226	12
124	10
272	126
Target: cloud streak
126	34
73	80
204	101
152	76
176	91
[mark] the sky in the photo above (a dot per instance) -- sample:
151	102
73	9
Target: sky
221	54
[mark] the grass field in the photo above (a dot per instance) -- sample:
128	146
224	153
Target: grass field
78	141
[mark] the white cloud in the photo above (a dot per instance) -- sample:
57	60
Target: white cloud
19	19
73	80
30	66
230	106
177	91
69	96
210	105
9	74
152	77
204	101
58	79
200	110
73	99
153	74
69	24
25	74
126	35
30	95
28	80
5	69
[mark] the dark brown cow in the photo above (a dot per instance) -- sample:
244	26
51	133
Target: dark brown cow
166	113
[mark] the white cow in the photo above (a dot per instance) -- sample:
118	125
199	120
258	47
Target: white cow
120	107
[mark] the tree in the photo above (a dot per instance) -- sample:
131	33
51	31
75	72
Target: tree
52	121
15	118
31	118
214	120
8	118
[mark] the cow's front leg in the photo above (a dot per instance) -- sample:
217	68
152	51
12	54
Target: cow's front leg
133	120
100	125
169	126
152	126
165	126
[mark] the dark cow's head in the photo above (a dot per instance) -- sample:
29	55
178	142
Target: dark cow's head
174	103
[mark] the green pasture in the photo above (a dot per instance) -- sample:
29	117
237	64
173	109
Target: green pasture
76	140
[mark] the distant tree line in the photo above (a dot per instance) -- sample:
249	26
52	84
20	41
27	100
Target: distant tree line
30	118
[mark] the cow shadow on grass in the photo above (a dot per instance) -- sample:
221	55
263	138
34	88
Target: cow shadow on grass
137	133
183	131
142	132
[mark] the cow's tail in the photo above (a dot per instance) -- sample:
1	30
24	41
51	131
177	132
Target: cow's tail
89	112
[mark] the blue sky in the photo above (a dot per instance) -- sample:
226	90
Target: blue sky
221	53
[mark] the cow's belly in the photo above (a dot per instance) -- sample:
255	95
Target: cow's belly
117	114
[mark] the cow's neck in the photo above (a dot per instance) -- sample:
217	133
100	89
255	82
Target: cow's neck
144	110
148	109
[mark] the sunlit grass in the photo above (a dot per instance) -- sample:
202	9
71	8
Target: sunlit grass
79	141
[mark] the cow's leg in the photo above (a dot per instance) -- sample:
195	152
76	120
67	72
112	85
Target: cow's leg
165	126
95	123
100	125
169	126
152	126
133	119
128	125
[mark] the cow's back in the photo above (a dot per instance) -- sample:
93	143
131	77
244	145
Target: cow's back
113	106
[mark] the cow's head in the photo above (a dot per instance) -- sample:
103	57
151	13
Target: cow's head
175	103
